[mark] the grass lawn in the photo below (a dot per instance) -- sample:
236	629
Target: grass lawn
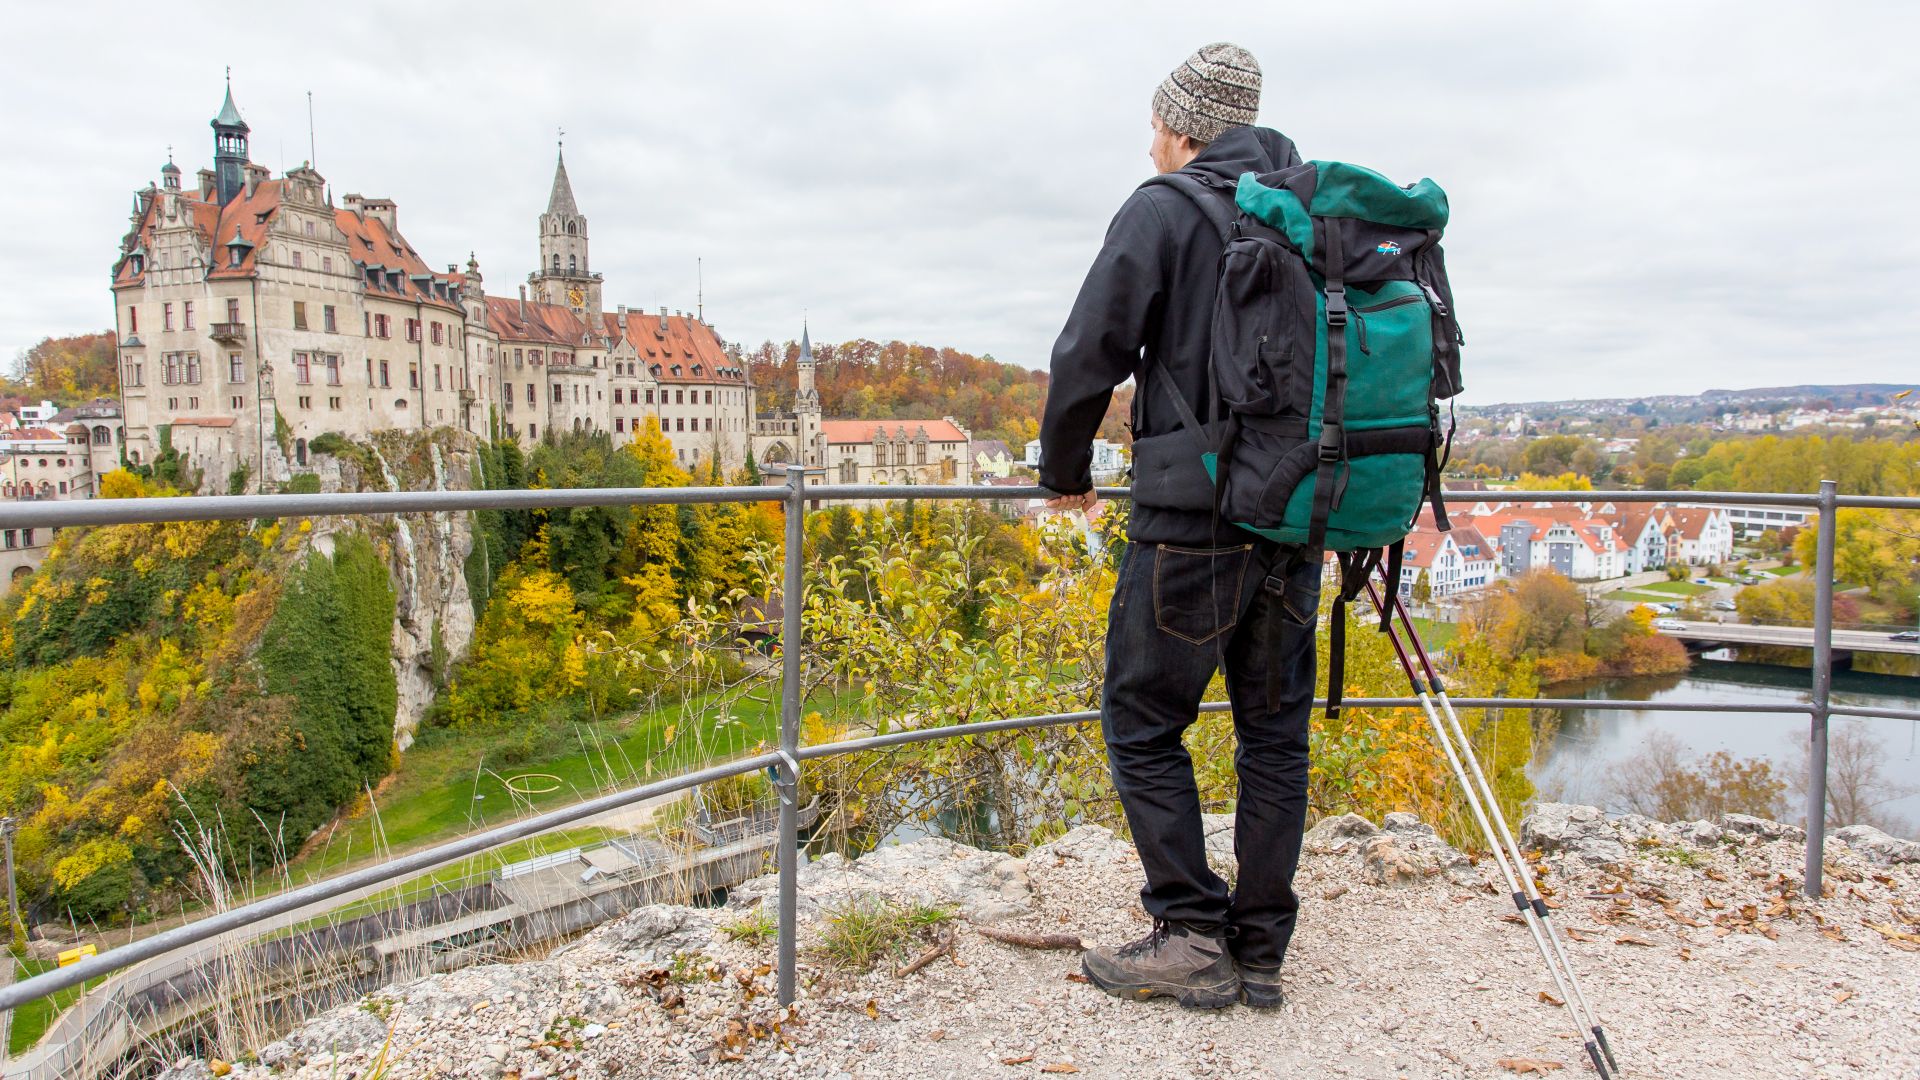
1779	571
1637	596
30	1020
1437	635
1675	588
433	795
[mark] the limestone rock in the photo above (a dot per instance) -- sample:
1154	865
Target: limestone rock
1089	844
1877	847
1406	851
1760	828
658	931
1580	831
189	1069
1337	834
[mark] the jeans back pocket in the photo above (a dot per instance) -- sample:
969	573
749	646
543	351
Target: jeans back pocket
1196	591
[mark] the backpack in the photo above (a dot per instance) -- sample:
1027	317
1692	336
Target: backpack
1333	341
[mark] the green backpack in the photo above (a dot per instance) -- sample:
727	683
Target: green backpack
1334	340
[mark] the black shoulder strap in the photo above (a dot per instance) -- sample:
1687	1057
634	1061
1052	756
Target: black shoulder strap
1211	200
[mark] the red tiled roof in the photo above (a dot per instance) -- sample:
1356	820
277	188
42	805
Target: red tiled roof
862	431
666	342
534	321
249	217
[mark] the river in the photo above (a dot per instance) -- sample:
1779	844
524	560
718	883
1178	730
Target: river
1577	766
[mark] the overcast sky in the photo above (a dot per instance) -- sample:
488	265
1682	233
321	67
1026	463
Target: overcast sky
1646	198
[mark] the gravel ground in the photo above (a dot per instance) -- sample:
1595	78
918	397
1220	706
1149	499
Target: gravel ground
1691	941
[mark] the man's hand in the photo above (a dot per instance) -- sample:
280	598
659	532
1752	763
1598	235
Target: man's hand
1085	501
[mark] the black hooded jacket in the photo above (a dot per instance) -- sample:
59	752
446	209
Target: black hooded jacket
1148	303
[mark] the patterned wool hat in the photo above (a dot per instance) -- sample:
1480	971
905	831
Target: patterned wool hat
1216	88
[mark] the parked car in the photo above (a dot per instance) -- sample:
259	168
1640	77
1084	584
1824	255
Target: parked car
1906	635
1669	624
1725	605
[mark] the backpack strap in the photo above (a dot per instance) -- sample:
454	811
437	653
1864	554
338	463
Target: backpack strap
1330	477
1204	195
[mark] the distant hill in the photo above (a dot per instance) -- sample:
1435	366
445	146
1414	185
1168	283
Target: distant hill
1838	396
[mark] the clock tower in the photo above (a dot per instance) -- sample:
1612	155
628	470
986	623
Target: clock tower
564	276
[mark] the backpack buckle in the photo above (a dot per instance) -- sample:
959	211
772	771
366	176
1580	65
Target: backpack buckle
1333	442
1336	306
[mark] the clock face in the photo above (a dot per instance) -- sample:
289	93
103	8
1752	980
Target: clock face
576	297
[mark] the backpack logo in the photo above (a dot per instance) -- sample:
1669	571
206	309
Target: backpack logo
1388	247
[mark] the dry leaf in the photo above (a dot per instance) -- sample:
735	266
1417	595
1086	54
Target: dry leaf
1550	999
1778	909
1060	1067
1074	976
1841	997
1686	953
1897	938
873	1009
1531	1065
936	1034
1579	935
1022	1060
1832	934
1715	875
1711	904
1631	939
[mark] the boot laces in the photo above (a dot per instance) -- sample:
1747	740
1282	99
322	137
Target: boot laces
1151	943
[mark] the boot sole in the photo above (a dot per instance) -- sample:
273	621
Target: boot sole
1261	997
1190	997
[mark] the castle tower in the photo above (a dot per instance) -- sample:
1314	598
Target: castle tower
564	276
806	404
229	149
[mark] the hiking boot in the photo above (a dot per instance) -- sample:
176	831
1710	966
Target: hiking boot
1259	987
1171	961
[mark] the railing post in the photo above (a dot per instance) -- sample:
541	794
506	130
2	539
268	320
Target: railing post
792	600
1822	689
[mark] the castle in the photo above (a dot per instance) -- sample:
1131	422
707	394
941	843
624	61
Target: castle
254	314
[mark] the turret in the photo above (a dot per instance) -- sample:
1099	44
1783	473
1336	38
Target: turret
229	149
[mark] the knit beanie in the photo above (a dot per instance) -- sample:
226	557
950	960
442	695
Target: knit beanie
1216	88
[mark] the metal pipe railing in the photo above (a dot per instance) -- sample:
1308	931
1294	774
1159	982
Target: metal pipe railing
797	496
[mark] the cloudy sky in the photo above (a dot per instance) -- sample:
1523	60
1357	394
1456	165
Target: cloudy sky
1647	197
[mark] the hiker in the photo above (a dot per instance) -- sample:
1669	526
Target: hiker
1193	592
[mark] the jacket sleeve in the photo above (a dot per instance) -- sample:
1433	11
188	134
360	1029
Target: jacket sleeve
1100	345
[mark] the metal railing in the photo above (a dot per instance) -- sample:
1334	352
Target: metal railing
796	496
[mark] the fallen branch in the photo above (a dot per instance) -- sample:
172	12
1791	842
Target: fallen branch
1032	941
934	952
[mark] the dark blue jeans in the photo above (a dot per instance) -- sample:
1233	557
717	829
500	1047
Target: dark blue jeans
1178	615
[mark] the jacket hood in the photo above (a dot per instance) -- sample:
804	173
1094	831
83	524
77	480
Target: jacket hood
1241	150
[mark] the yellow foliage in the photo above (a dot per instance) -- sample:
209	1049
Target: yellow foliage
89	859
543	598
121	484
573	666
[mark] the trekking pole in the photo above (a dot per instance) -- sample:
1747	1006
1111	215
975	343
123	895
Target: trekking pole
1506	834
1527	913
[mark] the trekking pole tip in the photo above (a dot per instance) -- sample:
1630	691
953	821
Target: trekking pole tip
1593	1055
1600	1033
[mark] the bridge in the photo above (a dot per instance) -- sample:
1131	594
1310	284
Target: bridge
1706	635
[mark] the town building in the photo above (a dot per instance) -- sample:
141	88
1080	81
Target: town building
62	455
1108	465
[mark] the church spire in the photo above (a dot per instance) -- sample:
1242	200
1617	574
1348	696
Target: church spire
561	201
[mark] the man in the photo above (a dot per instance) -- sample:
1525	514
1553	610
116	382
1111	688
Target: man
1193	594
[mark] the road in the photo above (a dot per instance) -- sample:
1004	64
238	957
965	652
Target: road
1792	636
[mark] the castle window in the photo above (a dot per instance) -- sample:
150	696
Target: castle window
531	398
299	315
436	372
573	264
438	334
649	395
186	314
166	316
302	369
233	309
619	423
333	369
326	263
296	261
236	368
327	322
133	320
